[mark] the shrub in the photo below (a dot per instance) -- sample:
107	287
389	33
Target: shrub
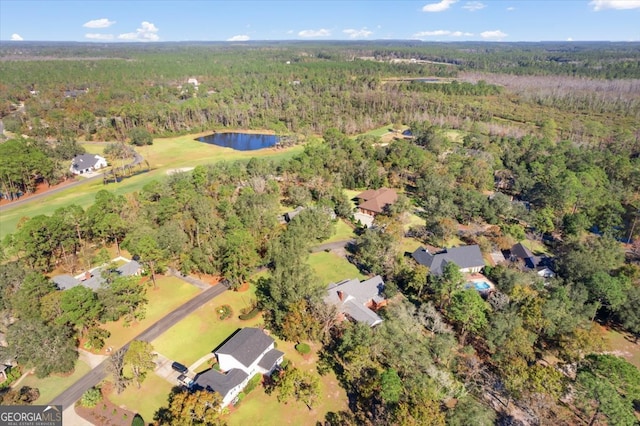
13	374
249	315
303	348
253	383
224	312
96	337
91	398
137	421
239	399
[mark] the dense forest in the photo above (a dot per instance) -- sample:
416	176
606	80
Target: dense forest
548	151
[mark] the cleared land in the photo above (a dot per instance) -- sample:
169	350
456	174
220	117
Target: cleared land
145	401
164	154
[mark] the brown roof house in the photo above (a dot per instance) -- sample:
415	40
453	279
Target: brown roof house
358	300
373	201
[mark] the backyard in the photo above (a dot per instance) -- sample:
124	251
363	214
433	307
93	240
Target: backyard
332	268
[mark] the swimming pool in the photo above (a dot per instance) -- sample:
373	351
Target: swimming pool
479	285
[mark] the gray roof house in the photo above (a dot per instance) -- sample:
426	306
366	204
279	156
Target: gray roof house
468	259
247	353
358	300
93	279
86	163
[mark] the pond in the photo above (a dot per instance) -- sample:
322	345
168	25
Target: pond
240	141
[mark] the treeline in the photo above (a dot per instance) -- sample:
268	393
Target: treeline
29	162
303	88
443	354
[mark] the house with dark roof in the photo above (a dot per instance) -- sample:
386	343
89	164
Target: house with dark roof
468	258
247	353
357	300
374	201
540	264
87	163
93	279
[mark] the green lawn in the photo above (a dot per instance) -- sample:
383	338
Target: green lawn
260	409
202	331
51	386
535	246
344	231
331	268
455	136
413	220
409	245
380	131
164	154
152	395
171	293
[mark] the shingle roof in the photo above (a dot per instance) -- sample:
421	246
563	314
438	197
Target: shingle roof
521	252
464	257
85	161
213	380
355	296
269	359
376	200
65	281
246	345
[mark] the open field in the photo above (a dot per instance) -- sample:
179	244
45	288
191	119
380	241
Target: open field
202	331
331	268
51	386
164	154
145	401
171	293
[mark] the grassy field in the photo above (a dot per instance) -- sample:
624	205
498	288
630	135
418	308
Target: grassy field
171	293
202	331
145	401
331	268
51	386
260	409
163	155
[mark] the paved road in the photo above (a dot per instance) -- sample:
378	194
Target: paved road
136	160
69	396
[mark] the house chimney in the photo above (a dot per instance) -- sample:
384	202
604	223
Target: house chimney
340	295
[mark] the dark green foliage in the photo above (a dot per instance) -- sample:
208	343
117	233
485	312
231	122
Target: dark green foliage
26	339
140	137
252	384
223	312
96	337
250	315
137	421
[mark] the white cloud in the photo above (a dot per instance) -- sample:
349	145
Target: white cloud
569	39
315	33
438	33
147	32
97	36
438	7
614	4
432	33
16	37
362	33
99	23
472	6
240	37
511	8
497	34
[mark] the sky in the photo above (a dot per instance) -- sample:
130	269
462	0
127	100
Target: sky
120	21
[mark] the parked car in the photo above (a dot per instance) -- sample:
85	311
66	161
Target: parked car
180	368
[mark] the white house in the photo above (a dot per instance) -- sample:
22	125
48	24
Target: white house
247	353
87	163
